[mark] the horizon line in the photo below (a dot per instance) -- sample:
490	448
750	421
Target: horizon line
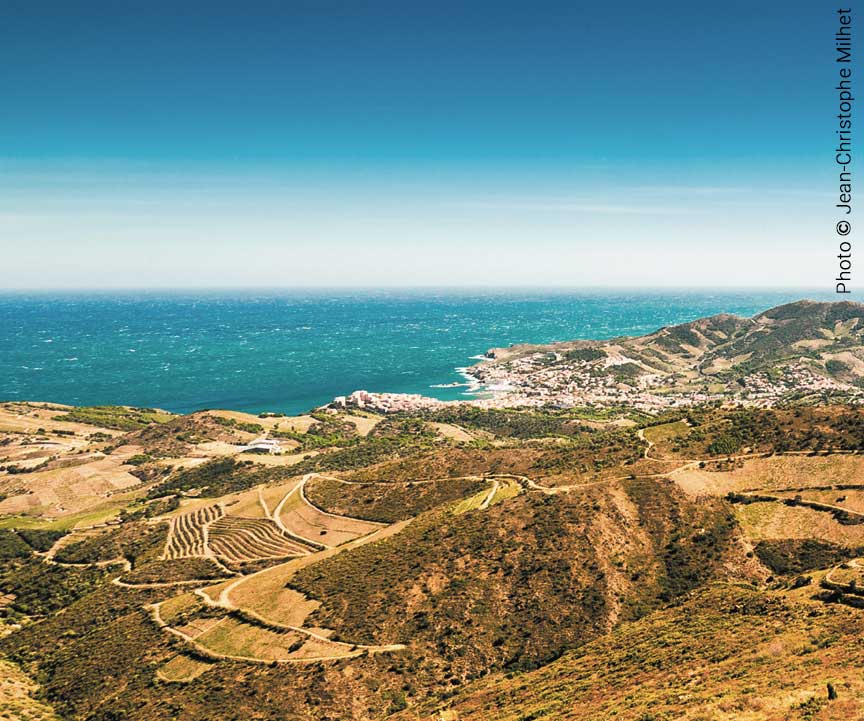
419	287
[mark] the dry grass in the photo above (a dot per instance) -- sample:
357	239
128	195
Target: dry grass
246	504
453	432
774	521
305	520
507	488
232	637
282	459
666	431
173	607
182	669
363	424
774	473
472	503
273	494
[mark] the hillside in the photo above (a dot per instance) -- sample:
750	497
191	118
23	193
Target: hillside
727	652
799	351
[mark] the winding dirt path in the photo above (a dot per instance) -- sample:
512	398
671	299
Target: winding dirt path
127	566
352	651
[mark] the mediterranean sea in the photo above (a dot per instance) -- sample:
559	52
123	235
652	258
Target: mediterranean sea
292	351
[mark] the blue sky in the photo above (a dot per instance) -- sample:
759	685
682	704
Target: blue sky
397	143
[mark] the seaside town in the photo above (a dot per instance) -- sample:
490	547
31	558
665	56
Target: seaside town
803	351
549	379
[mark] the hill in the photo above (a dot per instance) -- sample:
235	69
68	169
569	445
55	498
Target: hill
726	653
799	351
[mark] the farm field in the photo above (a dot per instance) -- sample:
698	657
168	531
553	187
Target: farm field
774	473
66	491
769	520
182	669
207	531
850	499
244	640
301	518
266	593
248	539
666	431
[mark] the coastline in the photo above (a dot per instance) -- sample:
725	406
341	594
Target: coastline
292	352
706	361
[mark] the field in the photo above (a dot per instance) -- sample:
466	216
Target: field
27	418
236	639
790	479
186	533
850	499
778	521
182	669
69	490
302	519
207	531
266	593
250	539
775	473
666	431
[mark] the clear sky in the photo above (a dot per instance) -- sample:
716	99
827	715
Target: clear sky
299	143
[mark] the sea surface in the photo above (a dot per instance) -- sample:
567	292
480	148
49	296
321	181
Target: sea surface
292	351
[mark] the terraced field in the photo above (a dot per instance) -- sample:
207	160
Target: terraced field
187	533
208	532
182	669
850	499
237	639
239	539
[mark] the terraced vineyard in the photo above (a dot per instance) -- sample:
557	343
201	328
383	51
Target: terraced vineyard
187	533
248	539
207	533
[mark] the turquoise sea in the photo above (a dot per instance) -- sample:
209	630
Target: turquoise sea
291	351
